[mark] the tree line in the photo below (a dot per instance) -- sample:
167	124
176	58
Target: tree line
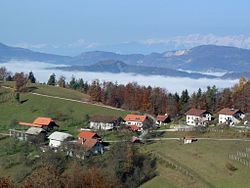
153	100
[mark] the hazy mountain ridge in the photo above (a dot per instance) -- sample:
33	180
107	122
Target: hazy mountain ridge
8	53
201	58
113	66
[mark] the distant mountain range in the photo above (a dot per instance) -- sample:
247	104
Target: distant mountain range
113	66
206	58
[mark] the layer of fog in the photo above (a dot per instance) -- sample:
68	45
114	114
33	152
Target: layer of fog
212	73
42	71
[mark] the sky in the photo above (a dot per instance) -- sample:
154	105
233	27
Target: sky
130	26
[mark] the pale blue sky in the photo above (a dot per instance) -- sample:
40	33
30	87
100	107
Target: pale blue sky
69	27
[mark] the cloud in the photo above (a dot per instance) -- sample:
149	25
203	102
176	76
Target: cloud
192	40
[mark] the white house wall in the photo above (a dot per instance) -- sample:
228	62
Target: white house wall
55	143
192	119
223	118
139	124
100	125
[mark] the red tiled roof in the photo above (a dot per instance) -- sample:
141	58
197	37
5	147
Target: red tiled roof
43	121
228	111
29	124
133	117
161	117
87	134
195	112
104	119
38	122
89	144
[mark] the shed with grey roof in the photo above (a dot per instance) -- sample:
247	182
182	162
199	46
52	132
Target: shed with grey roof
57	138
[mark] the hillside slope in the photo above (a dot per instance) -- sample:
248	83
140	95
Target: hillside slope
32	106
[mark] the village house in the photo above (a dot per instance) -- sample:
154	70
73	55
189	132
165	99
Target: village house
106	123
91	142
197	117
162	120
36	134
230	116
57	138
134	121
87	135
45	123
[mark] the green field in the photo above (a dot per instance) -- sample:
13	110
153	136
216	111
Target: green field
204	160
69	115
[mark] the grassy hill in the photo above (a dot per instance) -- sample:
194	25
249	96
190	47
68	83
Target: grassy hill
69	115
203	163
205	160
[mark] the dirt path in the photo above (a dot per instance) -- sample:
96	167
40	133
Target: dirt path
72	100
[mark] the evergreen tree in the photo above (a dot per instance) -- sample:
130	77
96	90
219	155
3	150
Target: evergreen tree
31	77
211	101
184	99
73	83
81	84
52	80
86	87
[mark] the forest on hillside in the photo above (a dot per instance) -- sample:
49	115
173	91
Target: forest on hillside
153	100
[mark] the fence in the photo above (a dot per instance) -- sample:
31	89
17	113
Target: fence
242	157
182	169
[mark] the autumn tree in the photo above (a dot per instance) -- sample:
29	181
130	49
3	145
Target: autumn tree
45	177
95	91
62	81
6	183
3	73
20	81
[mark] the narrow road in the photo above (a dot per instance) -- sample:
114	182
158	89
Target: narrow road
78	101
72	100
175	138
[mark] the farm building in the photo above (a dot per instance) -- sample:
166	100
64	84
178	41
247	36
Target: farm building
90	141
189	139
162	119
57	138
230	116
133	120
87	135
36	134
41	122
196	117
105	122
93	146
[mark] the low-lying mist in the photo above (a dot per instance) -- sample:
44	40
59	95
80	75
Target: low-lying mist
42	71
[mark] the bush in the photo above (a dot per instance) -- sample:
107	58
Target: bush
230	167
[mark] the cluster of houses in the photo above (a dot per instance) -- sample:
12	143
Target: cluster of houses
199	117
43	128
